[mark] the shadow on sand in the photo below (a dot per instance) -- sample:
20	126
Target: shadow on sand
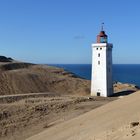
123	93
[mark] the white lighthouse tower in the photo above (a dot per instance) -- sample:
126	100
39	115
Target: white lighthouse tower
101	84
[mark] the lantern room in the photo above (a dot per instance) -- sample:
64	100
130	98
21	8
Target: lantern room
102	37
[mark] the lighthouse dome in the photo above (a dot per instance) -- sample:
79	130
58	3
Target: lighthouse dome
102	37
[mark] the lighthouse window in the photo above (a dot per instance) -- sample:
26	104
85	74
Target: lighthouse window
100	48
98	62
96	48
98	54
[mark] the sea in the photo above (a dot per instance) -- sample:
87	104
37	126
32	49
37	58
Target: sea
125	73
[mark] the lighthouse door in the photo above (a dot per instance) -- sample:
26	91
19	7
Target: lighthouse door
98	93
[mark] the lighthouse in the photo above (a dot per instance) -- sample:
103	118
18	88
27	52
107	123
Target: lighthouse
101	81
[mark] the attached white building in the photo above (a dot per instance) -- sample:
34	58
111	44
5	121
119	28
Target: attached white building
101	83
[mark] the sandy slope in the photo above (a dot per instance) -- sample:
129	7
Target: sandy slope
24	115
24	112
113	121
19	78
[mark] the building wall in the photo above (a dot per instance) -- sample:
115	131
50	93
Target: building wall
101	69
109	71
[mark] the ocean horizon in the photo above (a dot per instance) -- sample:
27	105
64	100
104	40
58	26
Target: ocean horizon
125	73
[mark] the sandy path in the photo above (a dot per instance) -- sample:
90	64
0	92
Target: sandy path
17	97
109	122
28	94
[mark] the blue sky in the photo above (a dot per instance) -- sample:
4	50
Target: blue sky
61	31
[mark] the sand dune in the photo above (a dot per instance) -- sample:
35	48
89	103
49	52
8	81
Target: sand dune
33	97
19	78
117	120
24	115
